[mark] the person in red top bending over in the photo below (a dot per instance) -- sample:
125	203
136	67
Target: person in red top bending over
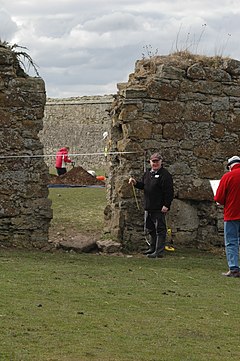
61	160
228	195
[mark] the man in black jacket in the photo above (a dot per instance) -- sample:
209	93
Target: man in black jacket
157	184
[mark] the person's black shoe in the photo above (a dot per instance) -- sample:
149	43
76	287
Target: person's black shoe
148	251
155	255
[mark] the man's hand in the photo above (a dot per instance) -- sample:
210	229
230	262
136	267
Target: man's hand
164	209
132	181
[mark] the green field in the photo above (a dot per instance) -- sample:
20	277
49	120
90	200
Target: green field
66	306
78	208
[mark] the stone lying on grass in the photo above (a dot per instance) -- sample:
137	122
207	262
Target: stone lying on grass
78	243
109	246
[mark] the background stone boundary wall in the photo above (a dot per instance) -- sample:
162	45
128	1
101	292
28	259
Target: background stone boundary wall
79	123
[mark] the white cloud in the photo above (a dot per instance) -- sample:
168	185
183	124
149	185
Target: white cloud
85	47
7	26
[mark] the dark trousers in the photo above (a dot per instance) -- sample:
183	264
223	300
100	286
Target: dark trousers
155	224
61	171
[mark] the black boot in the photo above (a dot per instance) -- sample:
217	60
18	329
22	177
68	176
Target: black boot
159	249
152	245
149	251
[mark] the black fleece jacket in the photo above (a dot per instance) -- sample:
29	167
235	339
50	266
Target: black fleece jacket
158	189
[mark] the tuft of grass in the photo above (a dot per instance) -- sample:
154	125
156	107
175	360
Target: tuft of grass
85	307
213	61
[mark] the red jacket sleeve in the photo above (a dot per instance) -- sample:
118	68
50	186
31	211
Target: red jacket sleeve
67	159
220	196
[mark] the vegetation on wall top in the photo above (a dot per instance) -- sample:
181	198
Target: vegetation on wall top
22	60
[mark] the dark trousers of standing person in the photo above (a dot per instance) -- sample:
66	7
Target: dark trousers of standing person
61	171
155	225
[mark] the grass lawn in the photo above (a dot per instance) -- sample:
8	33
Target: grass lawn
88	307
78	208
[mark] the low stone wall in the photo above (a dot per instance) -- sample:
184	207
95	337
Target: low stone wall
25	210
188	108
78	123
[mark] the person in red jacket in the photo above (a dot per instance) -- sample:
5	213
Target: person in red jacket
61	160
228	195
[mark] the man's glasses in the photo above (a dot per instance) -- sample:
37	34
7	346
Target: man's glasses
155	160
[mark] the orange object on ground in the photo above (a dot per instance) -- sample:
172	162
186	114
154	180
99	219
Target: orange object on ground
101	177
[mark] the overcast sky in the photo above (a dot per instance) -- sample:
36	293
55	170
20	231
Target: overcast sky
86	47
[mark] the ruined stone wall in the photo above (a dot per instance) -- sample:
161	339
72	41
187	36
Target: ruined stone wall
78	123
188	108
25	211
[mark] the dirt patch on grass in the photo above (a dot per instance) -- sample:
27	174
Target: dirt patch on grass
77	176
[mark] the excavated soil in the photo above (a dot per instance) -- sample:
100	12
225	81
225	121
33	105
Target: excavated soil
77	176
